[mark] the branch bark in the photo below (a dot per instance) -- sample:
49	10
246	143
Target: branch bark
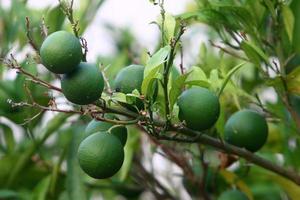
247	155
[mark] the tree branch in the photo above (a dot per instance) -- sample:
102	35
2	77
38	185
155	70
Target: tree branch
247	155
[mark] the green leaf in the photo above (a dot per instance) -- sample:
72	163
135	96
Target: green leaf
55	19
290	188
130	148
75	185
40	191
8	137
197	77
8	194
214	79
295	6
176	88
288	20
293	81
228	76
87	12
54	124
232	178
208	16
254	53
238	17
197	74
119	96
153	66
169	26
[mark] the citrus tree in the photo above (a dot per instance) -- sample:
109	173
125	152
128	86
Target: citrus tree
145	125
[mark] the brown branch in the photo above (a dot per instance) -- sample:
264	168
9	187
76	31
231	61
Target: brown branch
228	51
28	35
13	64
231	149
68	11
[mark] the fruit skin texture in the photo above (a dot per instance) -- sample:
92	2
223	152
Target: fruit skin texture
129	79
84	85
99	126
233	195
100	155
199	108
61	52
246	129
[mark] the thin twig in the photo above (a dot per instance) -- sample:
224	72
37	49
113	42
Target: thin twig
28	35
228	51
13	64
68	11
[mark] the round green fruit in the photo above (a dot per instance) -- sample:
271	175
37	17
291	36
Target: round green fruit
233	195
129	79
100	155
84	85
246	129
99	126
199	108
61	52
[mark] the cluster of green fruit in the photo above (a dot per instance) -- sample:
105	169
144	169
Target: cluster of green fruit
101	155
61	53
199	108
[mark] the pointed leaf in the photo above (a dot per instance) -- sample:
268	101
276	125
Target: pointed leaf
228	76
176	88
40	191
153	66
75	185
288	20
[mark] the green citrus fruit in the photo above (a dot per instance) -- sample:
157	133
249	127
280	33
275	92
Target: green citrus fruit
61	52
246	129
199	108
129	79
100	155
233	195
99	126
84	85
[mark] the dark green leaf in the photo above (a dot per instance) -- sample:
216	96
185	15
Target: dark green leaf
8	137
75	185
40	191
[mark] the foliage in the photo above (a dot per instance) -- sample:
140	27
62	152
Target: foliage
252	53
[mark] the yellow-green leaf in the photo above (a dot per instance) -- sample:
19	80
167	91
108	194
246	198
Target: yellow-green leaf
232	178
293	81
288	20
